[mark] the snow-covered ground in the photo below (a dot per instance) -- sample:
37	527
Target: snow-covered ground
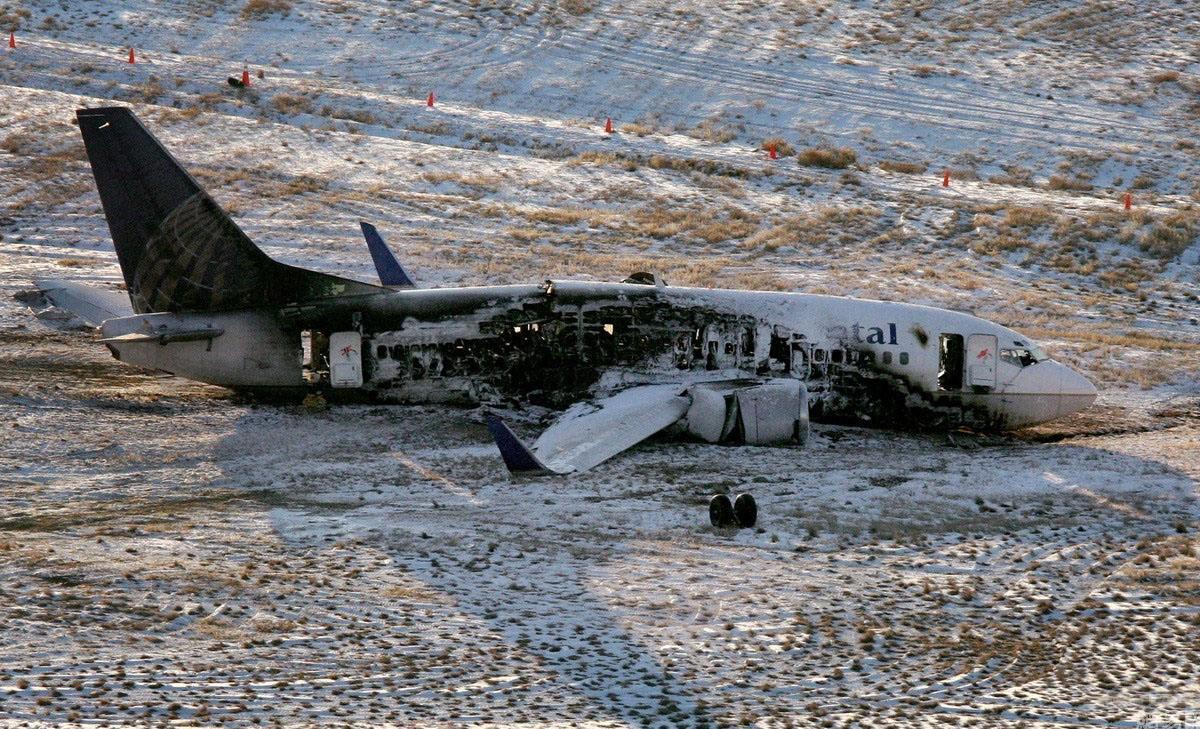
169	551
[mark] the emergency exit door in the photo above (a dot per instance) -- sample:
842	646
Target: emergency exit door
981	360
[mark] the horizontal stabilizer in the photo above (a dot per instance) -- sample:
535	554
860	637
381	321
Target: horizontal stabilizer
92	304
167	336
390	272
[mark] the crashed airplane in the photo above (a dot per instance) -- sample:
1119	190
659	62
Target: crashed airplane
627	360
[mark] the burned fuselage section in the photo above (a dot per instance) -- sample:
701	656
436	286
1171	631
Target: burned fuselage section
552	349
552	345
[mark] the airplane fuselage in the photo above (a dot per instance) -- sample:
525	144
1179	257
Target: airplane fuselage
862	361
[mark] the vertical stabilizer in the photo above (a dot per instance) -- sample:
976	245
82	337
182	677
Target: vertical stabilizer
391	273
178	250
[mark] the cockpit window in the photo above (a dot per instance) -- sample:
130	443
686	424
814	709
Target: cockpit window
1021	356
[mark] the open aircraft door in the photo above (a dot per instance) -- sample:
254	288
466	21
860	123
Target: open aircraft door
345	359
981	360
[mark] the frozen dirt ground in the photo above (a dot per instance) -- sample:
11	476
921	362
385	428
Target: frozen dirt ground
173	554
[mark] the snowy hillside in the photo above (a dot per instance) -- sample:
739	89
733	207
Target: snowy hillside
168	551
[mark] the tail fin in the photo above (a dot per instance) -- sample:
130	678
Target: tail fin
178	250
391	273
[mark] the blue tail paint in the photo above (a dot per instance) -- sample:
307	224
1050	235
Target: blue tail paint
391	273
517	457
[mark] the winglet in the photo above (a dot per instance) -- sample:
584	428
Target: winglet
516	455
391	273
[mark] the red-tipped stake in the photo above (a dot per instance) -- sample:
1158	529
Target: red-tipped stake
132	58
1129	201
946	178
771	153
429	101
608	126
12	39
245	76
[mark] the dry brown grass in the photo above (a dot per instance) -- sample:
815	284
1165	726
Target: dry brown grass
1028	217
292	104
1014	177
834	158
576	7
820	227
255	9
362	116
12	17
1063	182
640	129
907	168
711	131
1171	236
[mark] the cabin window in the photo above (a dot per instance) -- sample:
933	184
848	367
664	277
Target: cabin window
381	352
887	357
818	356
397	353
835	356
729	348
950	362
867	358
904	358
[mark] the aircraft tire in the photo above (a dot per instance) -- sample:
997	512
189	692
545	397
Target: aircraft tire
745	510
720	511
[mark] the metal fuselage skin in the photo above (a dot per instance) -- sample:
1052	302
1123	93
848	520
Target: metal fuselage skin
863	361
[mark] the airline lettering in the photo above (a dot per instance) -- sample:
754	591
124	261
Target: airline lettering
859	333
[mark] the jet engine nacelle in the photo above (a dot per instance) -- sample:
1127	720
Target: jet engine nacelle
764	413
233	349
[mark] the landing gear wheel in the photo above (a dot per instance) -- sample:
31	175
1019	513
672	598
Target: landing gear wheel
720	511
745	508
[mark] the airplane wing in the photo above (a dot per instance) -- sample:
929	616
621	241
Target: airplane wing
92	304
749	411
590	433
391	273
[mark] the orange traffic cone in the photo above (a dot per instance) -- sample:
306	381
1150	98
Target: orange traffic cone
608	126
946	178
245	76
132	58
1129	201
772	153
12	39
429	101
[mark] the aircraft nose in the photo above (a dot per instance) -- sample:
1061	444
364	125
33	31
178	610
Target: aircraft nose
1075	384
1076	392
1048	390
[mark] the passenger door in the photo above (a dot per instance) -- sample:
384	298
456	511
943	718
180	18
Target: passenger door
345	359
981	360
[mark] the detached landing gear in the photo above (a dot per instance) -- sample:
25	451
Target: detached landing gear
741	512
